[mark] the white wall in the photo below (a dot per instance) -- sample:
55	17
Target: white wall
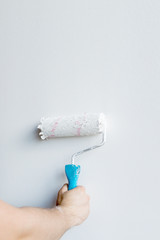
62	57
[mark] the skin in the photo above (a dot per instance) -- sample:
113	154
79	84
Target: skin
28	223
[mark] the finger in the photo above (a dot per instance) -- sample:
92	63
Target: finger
59	197
80	188
58	202
64	188
60	193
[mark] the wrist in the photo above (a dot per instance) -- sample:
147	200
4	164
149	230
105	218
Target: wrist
68	216
63	217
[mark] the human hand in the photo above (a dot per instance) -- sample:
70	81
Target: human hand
73	204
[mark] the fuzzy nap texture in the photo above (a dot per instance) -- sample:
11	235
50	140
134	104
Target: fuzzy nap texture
74	125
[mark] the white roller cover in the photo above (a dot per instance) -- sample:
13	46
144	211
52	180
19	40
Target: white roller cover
74	125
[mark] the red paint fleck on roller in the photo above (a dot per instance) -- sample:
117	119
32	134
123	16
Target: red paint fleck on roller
54	128
78	131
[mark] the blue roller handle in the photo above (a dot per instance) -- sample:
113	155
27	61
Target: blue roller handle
72	173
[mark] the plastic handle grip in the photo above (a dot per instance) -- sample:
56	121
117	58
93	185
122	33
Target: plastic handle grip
72	173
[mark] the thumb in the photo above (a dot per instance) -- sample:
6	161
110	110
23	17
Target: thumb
61	192
64	188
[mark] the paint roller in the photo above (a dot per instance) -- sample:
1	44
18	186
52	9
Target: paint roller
77	125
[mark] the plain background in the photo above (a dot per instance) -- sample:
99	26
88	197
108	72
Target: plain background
63	57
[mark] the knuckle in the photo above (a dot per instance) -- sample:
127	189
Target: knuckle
82	188
65	185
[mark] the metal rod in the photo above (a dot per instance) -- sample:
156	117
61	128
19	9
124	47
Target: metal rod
90	148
